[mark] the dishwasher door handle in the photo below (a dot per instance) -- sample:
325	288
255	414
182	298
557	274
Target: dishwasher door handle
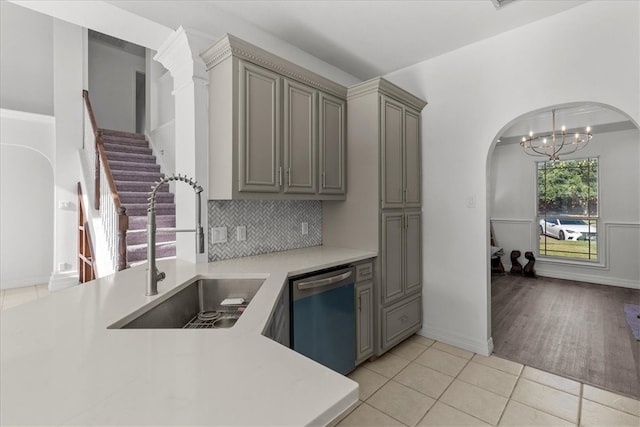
323	282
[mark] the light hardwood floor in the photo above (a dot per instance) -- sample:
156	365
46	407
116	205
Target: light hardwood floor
574	329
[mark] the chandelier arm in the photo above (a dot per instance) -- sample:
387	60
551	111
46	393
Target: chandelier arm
557	152
542	153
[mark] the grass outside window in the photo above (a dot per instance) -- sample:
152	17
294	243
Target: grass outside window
580	249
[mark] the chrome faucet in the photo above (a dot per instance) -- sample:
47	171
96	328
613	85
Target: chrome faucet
153	274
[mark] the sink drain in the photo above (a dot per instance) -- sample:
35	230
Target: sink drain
208	315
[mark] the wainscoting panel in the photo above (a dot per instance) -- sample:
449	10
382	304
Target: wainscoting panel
619	250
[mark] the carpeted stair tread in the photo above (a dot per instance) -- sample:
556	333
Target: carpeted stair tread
140	209
138	186
162	221
130	157
125	141
139	252
149	177
127	197
122	133
125	148
117	165
138	237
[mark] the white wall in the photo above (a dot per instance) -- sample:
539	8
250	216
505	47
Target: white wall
112	86
26	60
69	56
161	114
588	53
513	209
26	223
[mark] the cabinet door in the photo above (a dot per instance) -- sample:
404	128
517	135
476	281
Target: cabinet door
412	159
391	268
392	154
259	129
413	252
332	144
364	321
300	121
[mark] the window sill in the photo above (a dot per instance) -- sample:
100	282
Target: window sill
572	262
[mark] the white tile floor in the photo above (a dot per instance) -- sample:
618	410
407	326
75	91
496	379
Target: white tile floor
427	383
15	296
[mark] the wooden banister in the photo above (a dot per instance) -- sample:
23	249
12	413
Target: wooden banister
92	117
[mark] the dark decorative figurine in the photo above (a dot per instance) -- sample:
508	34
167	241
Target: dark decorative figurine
528	269
516	267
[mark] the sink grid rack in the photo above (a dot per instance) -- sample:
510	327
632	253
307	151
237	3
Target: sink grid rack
227	317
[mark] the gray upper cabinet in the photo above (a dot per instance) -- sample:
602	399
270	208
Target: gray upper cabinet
276	130
400	140
332	144
300	141
392	154
412	159
259	129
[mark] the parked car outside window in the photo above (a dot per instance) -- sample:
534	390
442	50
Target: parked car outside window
567	229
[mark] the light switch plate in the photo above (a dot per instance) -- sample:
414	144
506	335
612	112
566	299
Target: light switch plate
218	234
305	228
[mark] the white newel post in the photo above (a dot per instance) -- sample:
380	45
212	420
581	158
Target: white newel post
180	55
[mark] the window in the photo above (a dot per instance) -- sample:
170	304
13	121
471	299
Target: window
568	209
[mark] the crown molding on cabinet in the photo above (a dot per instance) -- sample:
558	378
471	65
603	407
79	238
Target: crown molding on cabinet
381	85
230	45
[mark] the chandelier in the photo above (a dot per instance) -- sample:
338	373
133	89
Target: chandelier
555	144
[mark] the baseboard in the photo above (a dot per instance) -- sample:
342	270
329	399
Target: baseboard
484	348
59	281
588	278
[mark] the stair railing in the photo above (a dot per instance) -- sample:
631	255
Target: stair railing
114	216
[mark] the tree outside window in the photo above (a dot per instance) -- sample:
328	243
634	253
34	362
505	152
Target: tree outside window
568	208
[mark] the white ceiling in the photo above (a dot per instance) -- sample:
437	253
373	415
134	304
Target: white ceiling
364	38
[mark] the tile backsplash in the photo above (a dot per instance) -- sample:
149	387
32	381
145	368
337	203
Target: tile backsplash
272	226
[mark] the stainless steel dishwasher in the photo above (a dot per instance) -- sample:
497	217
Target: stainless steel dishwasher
323	317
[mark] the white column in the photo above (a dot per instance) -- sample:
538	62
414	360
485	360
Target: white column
67	103
180	55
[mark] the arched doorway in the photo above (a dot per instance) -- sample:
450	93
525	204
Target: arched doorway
564	321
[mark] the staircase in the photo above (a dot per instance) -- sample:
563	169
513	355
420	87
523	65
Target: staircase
135	171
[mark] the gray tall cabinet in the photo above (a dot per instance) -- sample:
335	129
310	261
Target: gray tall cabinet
383	210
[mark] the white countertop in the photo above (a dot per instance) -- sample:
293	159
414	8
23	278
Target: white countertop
62	366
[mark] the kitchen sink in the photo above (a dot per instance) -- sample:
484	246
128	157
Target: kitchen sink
196	306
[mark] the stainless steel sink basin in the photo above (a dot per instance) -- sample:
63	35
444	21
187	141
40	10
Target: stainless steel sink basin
197	305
